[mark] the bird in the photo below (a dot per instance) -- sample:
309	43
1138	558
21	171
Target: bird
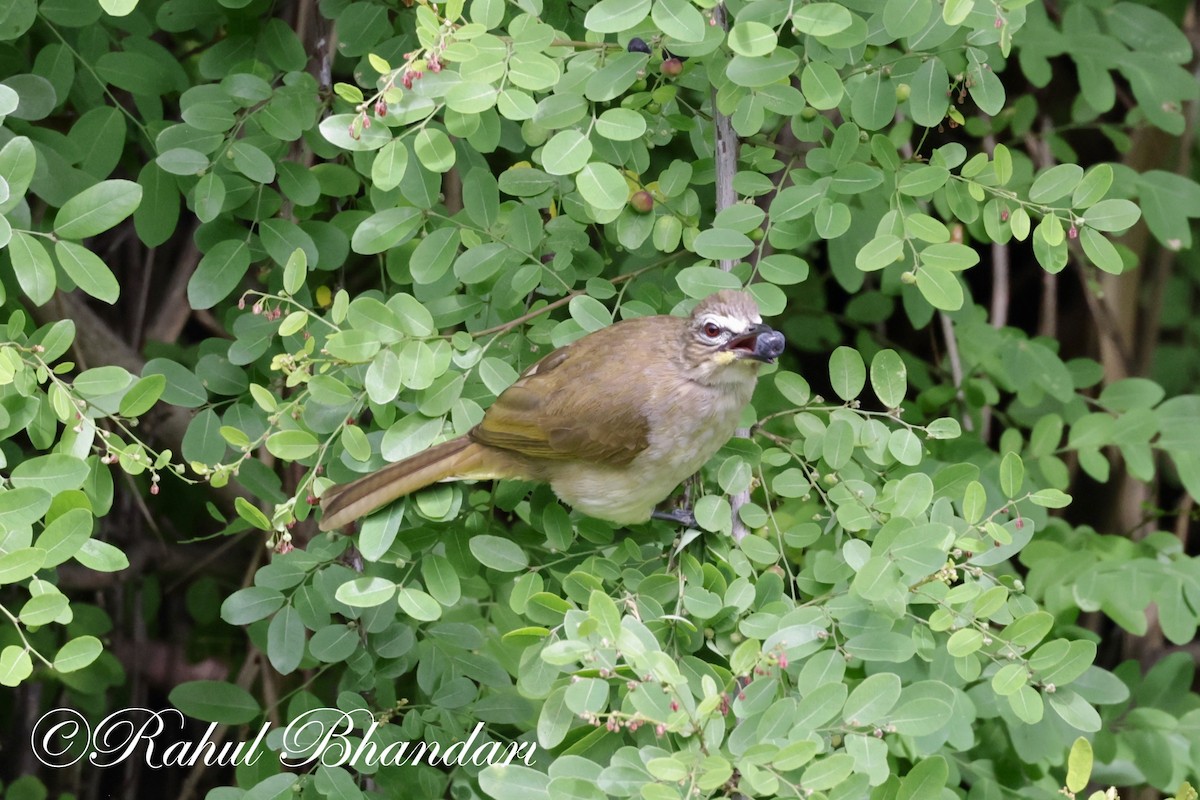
613	421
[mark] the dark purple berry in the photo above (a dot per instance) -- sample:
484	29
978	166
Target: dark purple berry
638	45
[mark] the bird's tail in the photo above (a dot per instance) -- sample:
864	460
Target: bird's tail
457	458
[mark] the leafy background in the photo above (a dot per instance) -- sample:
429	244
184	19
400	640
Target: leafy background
251	249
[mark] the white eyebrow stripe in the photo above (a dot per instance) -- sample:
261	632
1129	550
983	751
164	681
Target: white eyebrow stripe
732	324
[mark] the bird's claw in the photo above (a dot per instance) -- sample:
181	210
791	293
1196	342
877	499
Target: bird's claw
680	516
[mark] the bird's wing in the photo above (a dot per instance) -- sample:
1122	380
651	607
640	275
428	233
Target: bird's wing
555	411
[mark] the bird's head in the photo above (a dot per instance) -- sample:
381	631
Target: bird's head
726	339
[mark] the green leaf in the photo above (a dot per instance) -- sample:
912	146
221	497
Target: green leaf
1027	704
903	18
434	150
101	381
182	161
1093	186
101	556
285	640
215	701
1055	183
821	84
880	252
15	665
474	97
986	88
951	256
252	162
926	779
963	642
532	71
783	269
904	445
1009	679
1012	474
752	39
872	699
568	151
219	273
17	565
1100	251
1079	765
620	125
87	270
923	180
251	513
77	654
118	8
873	104
434	255
292	445
97	208
1002	163
821	19
940	287
513	781
334	643
63	537
1050	498
251	604
441	579
928	101
386	229
337	129
22	506
679	19
503	555
615	16
18	160
889	378
182	387
365	592
56	472
208	197
838	445
418	604
33	267
389	166
1112	216
590	313
722	244
602	185
955	12
698	282
827	772
847	373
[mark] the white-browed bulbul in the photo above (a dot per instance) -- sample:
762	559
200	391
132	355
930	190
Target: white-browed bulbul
613	421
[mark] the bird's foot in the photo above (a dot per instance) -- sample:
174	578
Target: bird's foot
680	516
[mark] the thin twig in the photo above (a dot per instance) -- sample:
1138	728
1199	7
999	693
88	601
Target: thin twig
726	155
1038	148
562	301
956	370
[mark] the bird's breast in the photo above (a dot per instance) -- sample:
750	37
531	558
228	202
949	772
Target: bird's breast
688	423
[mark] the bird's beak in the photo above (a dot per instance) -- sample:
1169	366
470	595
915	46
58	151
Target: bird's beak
761	343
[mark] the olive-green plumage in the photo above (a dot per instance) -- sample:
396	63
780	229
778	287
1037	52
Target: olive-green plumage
613	421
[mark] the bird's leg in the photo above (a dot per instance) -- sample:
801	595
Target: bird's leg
680	516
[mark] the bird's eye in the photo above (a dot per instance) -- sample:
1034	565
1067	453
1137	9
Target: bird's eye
712	330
